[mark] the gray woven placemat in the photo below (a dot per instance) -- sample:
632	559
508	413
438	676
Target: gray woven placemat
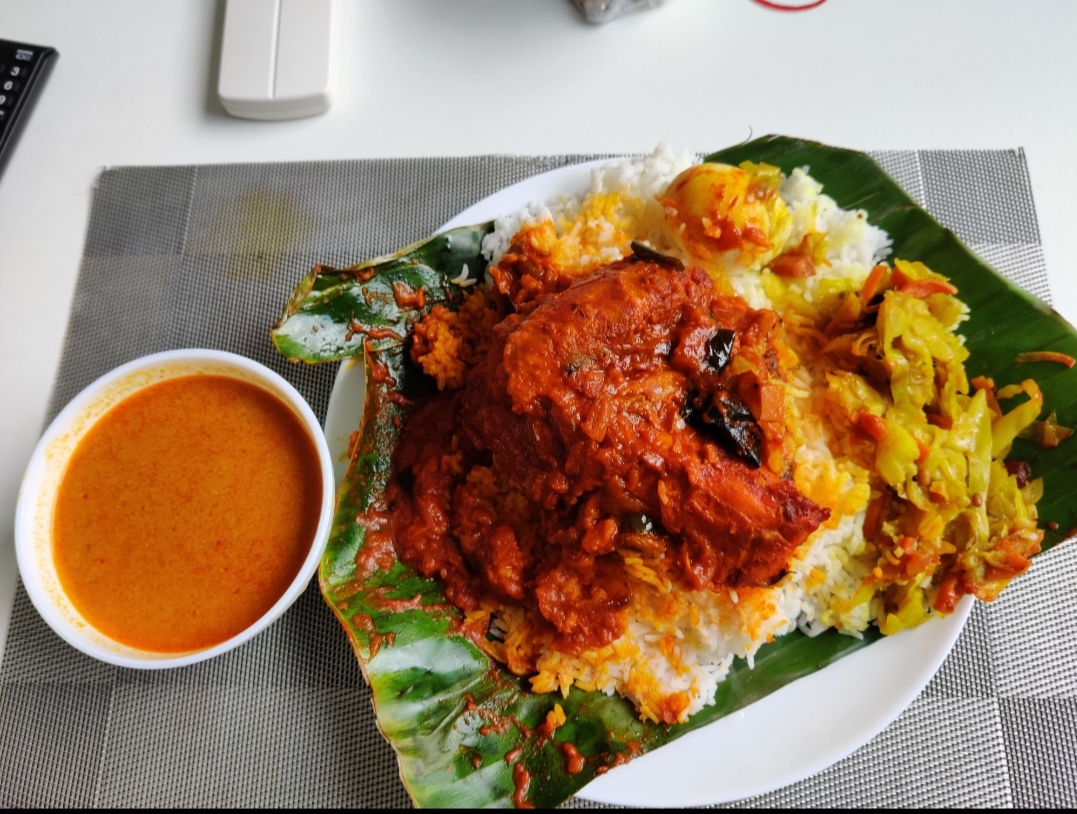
205	256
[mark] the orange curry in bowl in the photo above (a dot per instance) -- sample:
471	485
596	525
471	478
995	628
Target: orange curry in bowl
186	512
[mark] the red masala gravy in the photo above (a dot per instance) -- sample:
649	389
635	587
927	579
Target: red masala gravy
185	512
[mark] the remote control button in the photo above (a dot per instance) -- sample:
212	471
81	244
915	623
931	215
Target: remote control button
5	99
23	54
9	86
3	117
14	70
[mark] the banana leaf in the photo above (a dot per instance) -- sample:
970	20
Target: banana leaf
466	731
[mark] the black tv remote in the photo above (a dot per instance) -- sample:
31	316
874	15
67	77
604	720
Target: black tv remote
23	69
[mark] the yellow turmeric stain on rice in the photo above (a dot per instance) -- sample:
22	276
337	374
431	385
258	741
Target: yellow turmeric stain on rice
555	719
447	344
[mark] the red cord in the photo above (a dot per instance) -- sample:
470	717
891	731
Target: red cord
780	7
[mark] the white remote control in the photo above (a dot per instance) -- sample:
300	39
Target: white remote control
275	58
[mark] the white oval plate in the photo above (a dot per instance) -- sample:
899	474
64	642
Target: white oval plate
791	734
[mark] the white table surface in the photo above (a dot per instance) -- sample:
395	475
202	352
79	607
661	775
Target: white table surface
134	85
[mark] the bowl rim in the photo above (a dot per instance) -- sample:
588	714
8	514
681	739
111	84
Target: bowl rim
29	507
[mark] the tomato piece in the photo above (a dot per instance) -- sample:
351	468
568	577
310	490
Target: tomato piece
796	266
871	285
872	425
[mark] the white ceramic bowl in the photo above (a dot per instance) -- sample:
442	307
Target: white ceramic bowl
37	497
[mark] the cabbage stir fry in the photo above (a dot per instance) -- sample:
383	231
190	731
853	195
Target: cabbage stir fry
947	517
